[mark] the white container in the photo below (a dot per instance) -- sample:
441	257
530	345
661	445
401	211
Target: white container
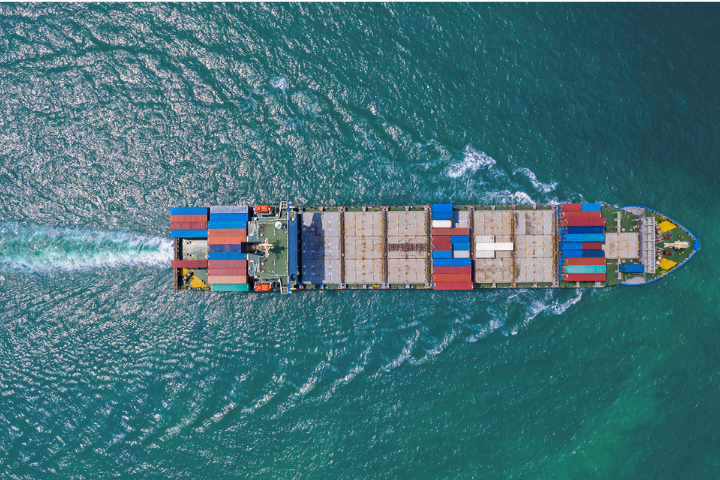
494	246
461	253
485	254
442	224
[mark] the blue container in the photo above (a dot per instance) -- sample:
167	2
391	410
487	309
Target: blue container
442	215
593	253
561	261
188	234
632	268
442	254
461	246
230	209
223	217
591	207
226	256
442	207
225	248
569	229
584	269
572	253
452	262
188	210
570	246
574	237
220	224
459	238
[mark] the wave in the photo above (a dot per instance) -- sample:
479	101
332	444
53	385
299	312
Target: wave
473	160
43	250
541	187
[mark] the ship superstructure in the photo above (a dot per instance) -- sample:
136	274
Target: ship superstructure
442	247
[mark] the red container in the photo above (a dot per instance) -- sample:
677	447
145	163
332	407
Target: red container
227	279
569	215
188	225
188	218
584	261
441	239
592	246
467	270
582	222
189	264
227	264
452	277
583	277
453	285
228	232
442	246
223	272
571	207
450	231
226	240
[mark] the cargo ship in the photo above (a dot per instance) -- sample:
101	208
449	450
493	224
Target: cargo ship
285	248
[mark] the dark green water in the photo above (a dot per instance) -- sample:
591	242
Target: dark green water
109	114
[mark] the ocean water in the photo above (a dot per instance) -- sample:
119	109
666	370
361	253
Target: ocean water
111	113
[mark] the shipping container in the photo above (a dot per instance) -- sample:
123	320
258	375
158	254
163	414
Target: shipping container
632	268
188	233
442	224
485	238
226	256
442	215
229	217
230	209
226	240
452	277
441	239
569	215
584	230
592	246
239	287
188	264
453	286
189	211
450	231
217	224
460	238
571	207
484	253
227	279
583	237
591	207
583	222
442	207
467	270
584	277
461	254
188	218
452	262
584	261
228	232
188	225
225	248
442	246
499	246
227	264
584	269
442	254
222	272
461	246
571	253
570	246
593	253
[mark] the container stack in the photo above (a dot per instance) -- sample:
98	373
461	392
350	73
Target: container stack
582	235
227	264
188	222
452	267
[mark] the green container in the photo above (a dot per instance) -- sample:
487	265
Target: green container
584	269
240	287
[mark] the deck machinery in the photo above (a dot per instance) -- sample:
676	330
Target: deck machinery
286	248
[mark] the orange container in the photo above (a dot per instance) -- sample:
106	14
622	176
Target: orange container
262	287
227	279
227	232
226	240
261	209
452	277
188	218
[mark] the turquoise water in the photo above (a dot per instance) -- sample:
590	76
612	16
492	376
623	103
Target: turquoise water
110	114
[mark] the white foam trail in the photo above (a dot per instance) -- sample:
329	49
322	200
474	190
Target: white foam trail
473	160
44	250
280	83
541	187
